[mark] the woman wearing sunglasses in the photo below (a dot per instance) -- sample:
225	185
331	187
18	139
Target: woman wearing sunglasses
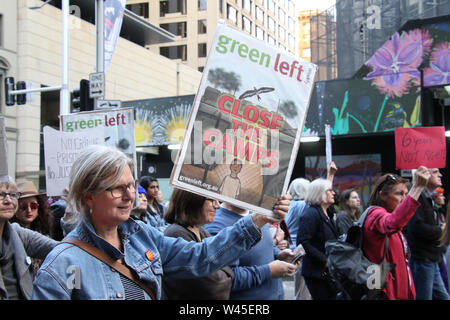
33	212
394	206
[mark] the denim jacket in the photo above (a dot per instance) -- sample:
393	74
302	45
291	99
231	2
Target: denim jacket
70	273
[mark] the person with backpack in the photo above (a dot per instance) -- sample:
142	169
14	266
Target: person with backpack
394	207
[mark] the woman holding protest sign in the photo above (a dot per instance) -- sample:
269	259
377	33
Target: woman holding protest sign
394	207
102	188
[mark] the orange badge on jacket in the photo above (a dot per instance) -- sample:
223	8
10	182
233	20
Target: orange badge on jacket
149	255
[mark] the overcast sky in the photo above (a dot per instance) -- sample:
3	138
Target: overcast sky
314	4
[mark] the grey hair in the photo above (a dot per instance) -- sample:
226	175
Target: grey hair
298	188
96	169
316	194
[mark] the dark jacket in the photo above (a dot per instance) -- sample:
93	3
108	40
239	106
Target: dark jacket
314	230
216	286
423	231
25	243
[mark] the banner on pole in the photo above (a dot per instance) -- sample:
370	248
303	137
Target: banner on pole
244	130
113	23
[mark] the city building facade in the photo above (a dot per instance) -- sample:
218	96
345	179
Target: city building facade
194	24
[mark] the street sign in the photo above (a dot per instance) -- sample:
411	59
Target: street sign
96	85
108	104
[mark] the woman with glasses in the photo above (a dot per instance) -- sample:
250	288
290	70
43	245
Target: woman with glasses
394	206
111	256
17	245
187	214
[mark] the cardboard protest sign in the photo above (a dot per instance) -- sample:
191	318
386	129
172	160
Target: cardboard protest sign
244	129
422	146
117	126
3	151
60	151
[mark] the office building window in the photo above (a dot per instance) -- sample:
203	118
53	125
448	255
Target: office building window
271	24
174	6
202	52
291	40
232	13
281	16
177	28
201	5
281	33
246	24
282	46
259	14
271	40
141	9
174	52
259	33
202	26
291	7
271	5
291	24
247	5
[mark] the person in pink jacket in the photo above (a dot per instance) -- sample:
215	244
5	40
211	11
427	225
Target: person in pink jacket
394	207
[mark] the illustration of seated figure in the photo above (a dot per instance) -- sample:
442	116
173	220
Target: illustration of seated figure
231	185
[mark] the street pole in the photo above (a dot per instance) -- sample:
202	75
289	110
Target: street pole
64	94
100	35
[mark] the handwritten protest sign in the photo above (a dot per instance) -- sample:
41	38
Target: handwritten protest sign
117	127
245	126
60	150
422	146
3	151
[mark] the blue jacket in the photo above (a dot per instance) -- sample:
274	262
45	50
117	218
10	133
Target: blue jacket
70	273
252	278
292	219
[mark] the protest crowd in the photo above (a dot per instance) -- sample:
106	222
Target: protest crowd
200	248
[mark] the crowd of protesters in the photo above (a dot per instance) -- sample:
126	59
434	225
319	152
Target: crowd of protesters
198	248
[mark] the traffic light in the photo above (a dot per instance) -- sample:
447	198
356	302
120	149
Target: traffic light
10	99
81	100
21	98
76	99
86	103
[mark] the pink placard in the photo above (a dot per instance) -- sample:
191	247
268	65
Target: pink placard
422	146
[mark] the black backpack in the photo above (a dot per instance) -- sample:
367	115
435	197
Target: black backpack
351	270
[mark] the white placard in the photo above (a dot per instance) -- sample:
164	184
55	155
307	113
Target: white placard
328	144
60	150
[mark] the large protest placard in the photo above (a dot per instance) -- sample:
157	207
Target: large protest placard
422	146
244	129
60	150
117	126
3	151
